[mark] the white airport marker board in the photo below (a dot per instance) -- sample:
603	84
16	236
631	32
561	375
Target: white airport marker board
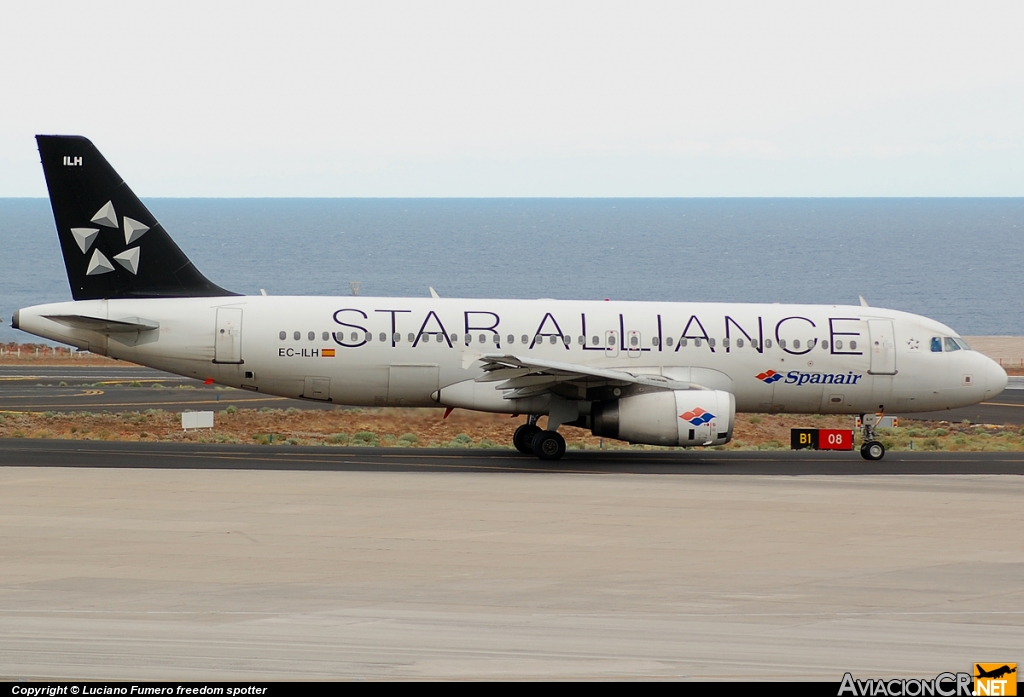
196	419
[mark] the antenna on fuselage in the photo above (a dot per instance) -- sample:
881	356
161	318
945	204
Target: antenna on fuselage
354	285
863	302
433	293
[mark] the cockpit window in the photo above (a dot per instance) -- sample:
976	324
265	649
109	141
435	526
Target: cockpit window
951	344
961	343
936	344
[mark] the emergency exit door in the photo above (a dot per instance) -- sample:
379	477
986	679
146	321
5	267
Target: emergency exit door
228	342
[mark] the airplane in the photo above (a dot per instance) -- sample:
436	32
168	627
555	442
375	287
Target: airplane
659	373
995	673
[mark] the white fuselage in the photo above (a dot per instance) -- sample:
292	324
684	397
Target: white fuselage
414	351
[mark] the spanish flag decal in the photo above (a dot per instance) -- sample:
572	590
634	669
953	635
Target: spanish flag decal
327	353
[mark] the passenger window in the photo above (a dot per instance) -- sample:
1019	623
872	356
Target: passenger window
655	340
567	340
853	345
669	341
583	341
725	342
355	337
611	339
526	339
511	339
767	343
454	338
839	343
753	343
368	337
682	342
496	338
396	337
283	336
482	338
951	345
711	342
782	343
696	342
554	340
634	340
739	343
824	344
311	336
326	336
594	340
297	335
383	336
796	343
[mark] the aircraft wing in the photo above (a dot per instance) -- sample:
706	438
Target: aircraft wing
531	376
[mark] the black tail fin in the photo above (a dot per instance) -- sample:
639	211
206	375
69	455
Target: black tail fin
113	247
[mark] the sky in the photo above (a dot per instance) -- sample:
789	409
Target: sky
563	99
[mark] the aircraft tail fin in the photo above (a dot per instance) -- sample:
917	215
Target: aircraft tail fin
113	247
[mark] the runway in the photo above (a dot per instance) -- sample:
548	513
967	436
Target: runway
20	452
170	561
148	561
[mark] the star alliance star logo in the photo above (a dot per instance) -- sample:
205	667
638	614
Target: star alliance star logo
86	236
913	344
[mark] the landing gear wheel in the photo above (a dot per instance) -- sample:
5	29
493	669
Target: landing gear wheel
523	438
872	450
548	445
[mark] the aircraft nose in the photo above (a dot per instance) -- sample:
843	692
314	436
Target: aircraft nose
995	379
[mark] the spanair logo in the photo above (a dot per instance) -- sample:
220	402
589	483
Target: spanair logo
106	217
697	417
995	679
798	377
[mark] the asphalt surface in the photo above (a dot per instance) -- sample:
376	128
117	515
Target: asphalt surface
115	389
179	456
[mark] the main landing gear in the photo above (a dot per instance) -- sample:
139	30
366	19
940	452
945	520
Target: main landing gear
530	439
872	448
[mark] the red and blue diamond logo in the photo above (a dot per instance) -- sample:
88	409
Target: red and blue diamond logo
769	376
697	417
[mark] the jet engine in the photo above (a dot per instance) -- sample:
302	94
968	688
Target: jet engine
680	417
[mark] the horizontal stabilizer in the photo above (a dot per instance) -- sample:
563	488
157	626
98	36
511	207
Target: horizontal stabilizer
106	326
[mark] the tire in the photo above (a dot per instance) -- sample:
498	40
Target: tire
522	439
872	450
548	445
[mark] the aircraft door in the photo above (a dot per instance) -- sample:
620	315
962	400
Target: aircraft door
317	388
228	341
883	347
611	343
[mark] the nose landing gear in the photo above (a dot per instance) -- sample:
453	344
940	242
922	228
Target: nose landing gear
872	448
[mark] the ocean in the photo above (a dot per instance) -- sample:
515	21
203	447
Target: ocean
955	260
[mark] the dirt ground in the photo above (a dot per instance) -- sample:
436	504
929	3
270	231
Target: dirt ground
428	428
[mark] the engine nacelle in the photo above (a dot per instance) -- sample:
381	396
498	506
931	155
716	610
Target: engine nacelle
682	417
